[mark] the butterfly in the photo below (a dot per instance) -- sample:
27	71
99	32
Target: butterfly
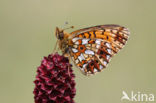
92	48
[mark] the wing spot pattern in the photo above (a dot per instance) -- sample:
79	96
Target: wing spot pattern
97	45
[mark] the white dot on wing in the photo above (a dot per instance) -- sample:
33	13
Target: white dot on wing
109	51
101	67
81	57
95	70
89	52
84	65
85	41
97	46
98	41
77	42
74	50
75	39
108	56
108	45
105	63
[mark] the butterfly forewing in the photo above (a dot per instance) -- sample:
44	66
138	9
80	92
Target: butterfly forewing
94	47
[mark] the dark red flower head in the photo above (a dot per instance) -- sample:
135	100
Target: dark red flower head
54	81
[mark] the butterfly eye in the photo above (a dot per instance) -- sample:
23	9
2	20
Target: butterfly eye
61	35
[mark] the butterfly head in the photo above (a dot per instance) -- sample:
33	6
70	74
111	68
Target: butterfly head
59	33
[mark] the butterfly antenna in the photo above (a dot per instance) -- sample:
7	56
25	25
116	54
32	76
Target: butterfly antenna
69	28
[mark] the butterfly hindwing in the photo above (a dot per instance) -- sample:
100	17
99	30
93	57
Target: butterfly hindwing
90	55
83	54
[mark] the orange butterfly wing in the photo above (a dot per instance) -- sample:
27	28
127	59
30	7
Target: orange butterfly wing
94	47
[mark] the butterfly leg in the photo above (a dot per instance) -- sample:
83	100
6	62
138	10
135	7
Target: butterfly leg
69	66
67	55
55	48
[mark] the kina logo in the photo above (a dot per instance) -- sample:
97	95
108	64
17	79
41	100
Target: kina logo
137	96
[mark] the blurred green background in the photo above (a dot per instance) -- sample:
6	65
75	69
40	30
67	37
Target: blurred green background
27	30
